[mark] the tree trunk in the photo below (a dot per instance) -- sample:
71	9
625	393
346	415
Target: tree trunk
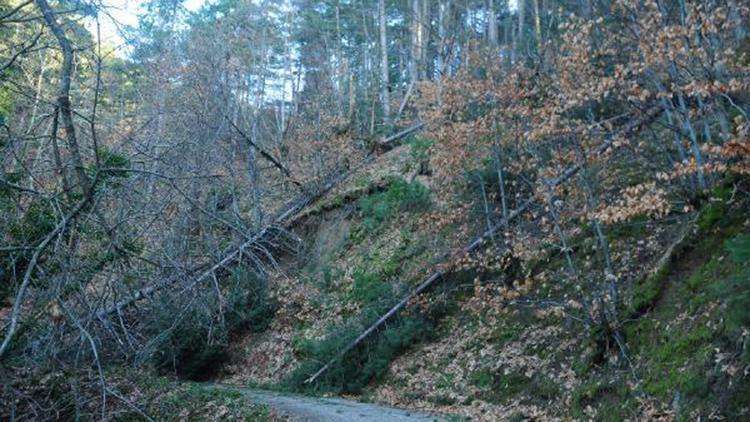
521	18
416	40
424	20
63	100
384	64
537	25
492	36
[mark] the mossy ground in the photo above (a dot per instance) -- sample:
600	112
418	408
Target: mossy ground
685	326
165	399
131	395
489	358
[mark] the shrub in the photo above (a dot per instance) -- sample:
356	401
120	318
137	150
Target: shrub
27	230
189	339
248	303
366	362
399	196
113	168
368	287
192	335
419	148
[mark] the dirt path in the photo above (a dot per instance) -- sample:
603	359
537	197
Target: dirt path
304	408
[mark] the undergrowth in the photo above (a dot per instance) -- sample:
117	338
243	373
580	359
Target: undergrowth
196	344
688	315
399	196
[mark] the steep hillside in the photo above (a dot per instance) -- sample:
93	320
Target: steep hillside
484	209
361	248
508	341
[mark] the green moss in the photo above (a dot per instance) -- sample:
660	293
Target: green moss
734	286
170	400
698	303
739	248
611	401
482	378
505	387
400	196
646	292
718	220
676	353
675	361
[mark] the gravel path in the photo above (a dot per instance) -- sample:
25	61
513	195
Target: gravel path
305	408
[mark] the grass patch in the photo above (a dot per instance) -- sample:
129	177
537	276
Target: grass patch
170	400
365	363
504	387
611	402
419	148
399	196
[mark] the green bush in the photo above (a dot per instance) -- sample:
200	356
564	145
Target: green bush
37	221
248	303
190	345
366	362
369	360
192	336
27	230
113	168
419	148
369	287
399	196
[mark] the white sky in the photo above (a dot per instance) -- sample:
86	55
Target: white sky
125	12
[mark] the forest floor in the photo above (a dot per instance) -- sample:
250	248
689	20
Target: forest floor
296	407
471	350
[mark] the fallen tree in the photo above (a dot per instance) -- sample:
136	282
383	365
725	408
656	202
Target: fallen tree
283	219
630	128
279	222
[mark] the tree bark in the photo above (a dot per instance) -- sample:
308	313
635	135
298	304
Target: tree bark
537	25
521	19
63	99
492	35
416	40
384	64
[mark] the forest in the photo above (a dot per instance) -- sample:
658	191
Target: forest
469	209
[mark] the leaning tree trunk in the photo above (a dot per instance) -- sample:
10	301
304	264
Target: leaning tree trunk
63	100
